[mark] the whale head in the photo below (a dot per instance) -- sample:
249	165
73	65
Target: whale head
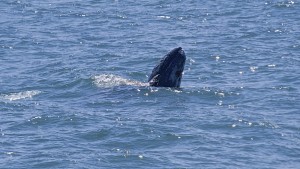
168	72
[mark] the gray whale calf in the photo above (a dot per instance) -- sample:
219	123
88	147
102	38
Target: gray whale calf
168	72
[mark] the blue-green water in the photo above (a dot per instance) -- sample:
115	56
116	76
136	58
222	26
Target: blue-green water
69	96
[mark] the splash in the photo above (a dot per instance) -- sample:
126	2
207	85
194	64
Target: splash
109	80
20	95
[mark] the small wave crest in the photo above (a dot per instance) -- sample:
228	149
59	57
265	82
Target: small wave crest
20	95
110	80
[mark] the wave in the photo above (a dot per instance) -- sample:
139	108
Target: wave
20	95
110	80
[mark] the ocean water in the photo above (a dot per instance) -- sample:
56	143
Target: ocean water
73	93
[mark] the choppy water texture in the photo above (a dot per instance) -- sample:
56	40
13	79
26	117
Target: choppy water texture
72	92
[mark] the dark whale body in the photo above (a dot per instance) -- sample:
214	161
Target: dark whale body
168	72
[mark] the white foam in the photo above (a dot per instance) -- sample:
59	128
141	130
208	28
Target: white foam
164	17
20	95
109	80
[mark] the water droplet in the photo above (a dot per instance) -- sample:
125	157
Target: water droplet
9	153
253	68
164	17
231	106
221	94
271	65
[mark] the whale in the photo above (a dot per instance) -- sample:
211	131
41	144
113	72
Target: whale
168	72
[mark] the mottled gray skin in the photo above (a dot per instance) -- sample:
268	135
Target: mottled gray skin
168	72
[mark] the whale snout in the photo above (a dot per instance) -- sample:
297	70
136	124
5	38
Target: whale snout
181	52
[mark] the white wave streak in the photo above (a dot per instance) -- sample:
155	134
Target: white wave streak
109	80
21	95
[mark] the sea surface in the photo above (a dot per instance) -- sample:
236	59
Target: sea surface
73	93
